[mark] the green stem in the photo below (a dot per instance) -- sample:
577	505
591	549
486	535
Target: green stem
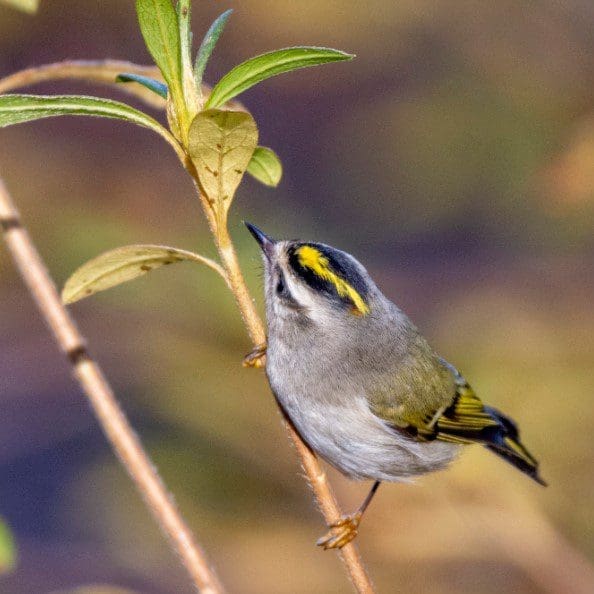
316	477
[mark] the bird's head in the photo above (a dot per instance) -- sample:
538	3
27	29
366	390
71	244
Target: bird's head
312	282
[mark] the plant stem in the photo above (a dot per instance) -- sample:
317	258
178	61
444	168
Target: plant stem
94	71
102	399
316	477
244	300
105	71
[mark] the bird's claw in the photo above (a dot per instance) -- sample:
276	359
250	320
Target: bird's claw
341	532
255	358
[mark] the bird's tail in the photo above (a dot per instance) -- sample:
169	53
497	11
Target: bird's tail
505	442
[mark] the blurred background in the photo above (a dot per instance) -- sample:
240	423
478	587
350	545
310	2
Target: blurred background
454	157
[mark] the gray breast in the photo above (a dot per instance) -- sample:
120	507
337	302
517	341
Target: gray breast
321	387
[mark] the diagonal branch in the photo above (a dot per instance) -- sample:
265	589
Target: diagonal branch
316	477
91	71
101	397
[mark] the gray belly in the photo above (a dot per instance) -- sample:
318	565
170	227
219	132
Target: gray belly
354	440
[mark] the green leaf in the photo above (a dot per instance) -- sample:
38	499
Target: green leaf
7	549
221	144
208	45
191	93
159	26
265	166
29	6
15	109
150	83
260	68
124	264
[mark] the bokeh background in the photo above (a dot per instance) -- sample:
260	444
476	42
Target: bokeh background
454	157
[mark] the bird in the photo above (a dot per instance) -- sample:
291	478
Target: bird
358	381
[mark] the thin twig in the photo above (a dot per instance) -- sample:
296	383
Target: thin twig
316	477
92	71
109	414
97	72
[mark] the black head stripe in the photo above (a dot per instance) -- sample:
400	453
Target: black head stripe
330	271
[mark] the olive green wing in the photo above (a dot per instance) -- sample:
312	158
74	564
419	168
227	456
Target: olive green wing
465	420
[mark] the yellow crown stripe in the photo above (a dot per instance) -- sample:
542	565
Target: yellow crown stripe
310	257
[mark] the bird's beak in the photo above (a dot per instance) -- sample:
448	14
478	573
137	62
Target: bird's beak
266	243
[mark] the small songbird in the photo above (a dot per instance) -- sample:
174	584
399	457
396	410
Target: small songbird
357	380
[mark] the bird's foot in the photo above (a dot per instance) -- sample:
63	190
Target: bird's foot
341	532
255	358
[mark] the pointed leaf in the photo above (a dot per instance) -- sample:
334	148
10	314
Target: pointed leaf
159	27
221	144
208	45
7	549
260	68
124	264
30	6
150	83
15	109
265	166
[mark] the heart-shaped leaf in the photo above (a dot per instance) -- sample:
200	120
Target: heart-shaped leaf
221	144
260	68
124	264
265	166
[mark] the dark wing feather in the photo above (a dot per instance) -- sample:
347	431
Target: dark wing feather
467	420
